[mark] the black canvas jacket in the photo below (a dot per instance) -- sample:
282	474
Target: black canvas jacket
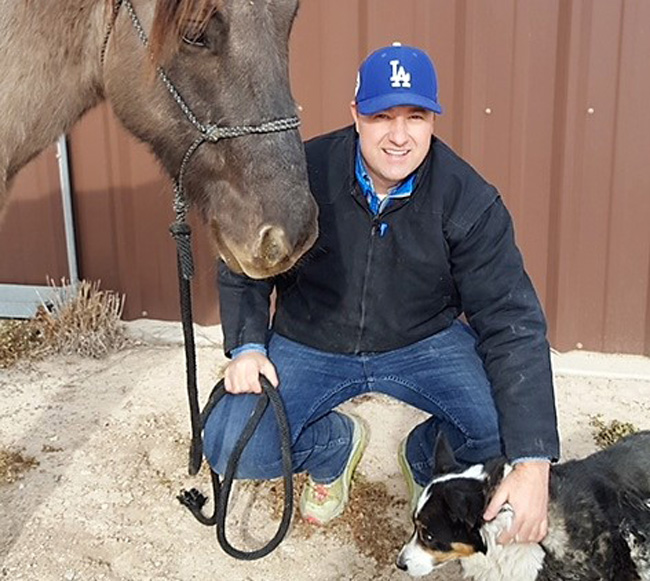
447	249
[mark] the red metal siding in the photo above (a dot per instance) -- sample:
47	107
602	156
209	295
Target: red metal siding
32	236
547	98
124	209
603	183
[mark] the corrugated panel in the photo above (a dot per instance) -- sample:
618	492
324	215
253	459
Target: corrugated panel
628	287
123	210
547	98
603	198
32	236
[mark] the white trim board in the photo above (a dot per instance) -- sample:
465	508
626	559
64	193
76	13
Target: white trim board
20	301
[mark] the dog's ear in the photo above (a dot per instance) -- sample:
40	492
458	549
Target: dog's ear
443	455
494	469
464	507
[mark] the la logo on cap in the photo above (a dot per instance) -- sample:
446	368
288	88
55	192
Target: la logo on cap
399	78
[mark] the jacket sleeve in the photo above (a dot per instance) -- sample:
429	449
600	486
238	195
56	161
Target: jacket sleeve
245	306
502	307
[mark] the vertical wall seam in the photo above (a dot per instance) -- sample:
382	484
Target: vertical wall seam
612	172
558	157
458	121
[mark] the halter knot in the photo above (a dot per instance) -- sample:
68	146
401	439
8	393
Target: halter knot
214	133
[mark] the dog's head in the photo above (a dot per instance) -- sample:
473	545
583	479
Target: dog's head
449	514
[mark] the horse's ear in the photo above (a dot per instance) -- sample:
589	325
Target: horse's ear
444	460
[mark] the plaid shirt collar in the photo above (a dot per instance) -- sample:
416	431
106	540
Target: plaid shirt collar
377	205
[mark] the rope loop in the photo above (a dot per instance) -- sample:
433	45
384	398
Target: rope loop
194	501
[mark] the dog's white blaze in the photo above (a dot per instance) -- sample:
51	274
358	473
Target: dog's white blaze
474	472
424	497
418	561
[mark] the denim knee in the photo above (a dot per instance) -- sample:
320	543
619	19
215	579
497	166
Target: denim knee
261	458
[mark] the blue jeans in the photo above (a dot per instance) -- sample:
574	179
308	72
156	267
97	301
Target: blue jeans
442	375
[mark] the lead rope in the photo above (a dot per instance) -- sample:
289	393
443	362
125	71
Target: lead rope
181	232
193	499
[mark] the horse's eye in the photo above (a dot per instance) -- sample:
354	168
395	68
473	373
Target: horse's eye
195	36
205	30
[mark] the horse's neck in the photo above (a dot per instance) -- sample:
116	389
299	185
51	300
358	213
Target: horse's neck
49	73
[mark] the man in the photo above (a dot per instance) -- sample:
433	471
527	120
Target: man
411	237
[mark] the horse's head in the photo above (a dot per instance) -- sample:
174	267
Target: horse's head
228	59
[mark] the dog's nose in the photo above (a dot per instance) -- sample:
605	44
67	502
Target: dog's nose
401	564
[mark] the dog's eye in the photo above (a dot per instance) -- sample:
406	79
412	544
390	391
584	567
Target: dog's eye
427	537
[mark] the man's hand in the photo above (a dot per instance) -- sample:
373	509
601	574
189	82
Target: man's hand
526	490
243	373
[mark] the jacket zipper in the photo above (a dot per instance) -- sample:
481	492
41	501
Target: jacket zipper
362	320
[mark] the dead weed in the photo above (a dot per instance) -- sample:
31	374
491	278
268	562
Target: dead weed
83	320
13	465
607	434
18	340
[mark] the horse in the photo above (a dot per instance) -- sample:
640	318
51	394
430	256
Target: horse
205	83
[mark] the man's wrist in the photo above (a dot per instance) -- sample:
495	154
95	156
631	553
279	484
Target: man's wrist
531	459
248	348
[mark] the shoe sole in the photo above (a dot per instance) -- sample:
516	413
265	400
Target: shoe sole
407	473
350	467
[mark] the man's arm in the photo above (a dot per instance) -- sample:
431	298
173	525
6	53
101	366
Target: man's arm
245	305
501	305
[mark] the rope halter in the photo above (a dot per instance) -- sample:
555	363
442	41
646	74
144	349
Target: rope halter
208	133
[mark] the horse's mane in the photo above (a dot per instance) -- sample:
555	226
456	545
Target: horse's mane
170	15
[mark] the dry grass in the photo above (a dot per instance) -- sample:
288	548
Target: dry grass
607	434
85	322
18	340
372	520
13	465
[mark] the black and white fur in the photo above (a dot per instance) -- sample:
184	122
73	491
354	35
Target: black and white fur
599	520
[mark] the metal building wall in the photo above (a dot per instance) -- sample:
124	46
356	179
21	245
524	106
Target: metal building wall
123	206
546	98
32	236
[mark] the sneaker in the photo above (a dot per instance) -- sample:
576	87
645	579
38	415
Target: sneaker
320	503
414	489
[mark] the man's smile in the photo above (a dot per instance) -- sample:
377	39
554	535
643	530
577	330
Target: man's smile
396	152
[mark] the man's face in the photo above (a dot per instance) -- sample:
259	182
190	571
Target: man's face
393	142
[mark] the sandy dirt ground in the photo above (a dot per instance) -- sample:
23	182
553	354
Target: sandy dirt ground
110	438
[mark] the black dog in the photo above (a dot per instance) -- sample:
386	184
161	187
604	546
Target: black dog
599	520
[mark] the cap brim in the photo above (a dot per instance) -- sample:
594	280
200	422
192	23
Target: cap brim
383	102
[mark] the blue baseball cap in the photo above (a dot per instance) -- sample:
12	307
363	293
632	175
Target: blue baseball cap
396	75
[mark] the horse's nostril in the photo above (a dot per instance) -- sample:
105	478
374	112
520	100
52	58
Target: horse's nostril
273	247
